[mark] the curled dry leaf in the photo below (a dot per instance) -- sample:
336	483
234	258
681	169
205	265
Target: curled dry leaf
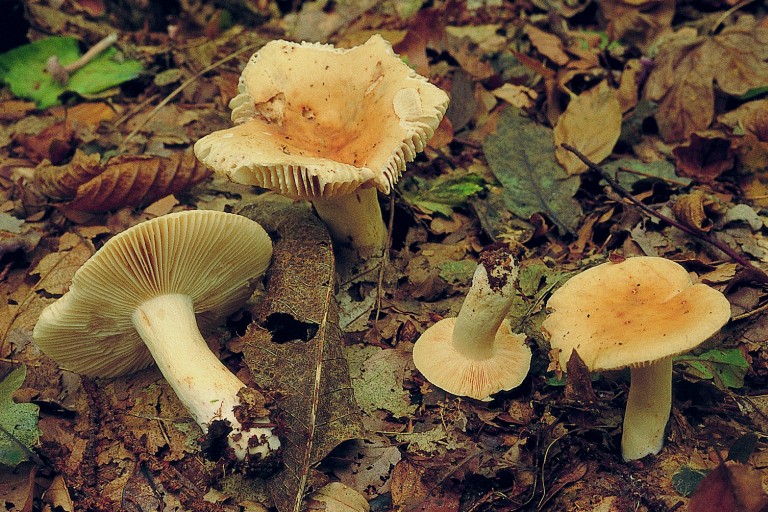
86	184
695	210
592	124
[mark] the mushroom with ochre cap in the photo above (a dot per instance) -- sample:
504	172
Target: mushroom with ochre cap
329	125
638	313
140	298
476	354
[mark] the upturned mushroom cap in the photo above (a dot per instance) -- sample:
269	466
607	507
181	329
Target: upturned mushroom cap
315	122
438	359
214	257
633	313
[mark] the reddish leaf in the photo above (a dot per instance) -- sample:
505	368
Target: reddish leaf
126	180
730	486
704	158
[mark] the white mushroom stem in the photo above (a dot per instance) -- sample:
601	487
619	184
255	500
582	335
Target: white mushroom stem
355	219
483	311
204	385
648	407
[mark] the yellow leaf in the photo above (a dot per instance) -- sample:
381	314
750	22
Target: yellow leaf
591	124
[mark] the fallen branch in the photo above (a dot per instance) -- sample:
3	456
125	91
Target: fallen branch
704	237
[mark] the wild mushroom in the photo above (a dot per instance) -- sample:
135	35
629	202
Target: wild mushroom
476	354
329	125
140	297
638	313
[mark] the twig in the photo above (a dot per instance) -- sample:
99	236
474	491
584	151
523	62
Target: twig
61	73
710	239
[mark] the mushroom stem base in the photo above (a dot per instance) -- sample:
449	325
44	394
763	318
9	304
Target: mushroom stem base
206	387
648	407
355	220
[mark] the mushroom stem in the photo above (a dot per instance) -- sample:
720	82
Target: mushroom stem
483	311
648	406
355	220
204	385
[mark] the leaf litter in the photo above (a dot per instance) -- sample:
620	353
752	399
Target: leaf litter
668	99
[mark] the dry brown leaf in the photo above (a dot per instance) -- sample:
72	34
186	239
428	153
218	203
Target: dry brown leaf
692	210
547	44
639	22
686	70
125	180
295	346
407	486
704	158
592	124
17	487
730	486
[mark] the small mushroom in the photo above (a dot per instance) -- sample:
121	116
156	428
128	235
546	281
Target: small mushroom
638	313
476	354
140	298
329	125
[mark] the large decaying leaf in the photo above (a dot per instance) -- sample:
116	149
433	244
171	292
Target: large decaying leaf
730	486
295	347
522	157
685	71
88	185
592	124
19	432
23	68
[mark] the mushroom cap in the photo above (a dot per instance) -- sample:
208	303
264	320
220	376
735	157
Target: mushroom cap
437	359
214	257
633	313
314	121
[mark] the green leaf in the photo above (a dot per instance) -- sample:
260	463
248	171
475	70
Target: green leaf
23	69
18	422
725	367
444	193
743	448
687	480
522	157
629	171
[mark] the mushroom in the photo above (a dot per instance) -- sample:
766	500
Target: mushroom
139	299
329	125
638	313
476	354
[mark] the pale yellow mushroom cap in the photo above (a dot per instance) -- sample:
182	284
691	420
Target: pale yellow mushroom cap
214	257
633	313
315	122
437	358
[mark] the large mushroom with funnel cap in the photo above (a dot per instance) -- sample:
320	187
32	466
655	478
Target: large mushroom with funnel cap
638	313
329	125
143	298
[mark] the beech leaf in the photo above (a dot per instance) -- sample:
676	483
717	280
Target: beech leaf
522	157
592	124
686	70
294	346
88	185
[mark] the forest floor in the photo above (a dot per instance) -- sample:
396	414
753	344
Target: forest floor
669	98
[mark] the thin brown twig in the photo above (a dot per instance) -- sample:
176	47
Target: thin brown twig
708	238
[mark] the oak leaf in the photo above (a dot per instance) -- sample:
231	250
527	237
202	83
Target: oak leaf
86	184
686	71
